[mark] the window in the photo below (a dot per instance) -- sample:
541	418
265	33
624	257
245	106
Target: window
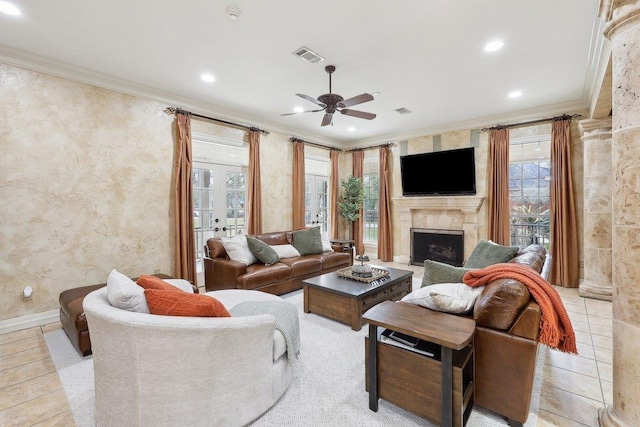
371	184
219	197
529	192
219	189
317	192
317	201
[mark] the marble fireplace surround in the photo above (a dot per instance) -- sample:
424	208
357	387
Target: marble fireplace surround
441	212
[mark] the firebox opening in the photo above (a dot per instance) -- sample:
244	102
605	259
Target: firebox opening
445	246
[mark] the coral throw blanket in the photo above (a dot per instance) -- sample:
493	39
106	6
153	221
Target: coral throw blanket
555	326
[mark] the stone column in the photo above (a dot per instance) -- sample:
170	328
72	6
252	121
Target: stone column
622	19
596	139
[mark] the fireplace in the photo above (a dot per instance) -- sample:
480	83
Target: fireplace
445	246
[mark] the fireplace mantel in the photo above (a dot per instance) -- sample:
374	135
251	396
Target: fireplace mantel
440	212
462	203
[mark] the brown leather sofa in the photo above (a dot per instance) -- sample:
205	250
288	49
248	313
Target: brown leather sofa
506	341
285	276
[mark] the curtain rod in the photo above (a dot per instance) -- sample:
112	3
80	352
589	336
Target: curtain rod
173	110
371	147
532	122
315	144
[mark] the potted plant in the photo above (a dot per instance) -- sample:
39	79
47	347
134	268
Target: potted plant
352	198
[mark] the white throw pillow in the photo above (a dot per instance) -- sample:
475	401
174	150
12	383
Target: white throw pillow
326	243
285	251
182	284
238	249
124	293
446	297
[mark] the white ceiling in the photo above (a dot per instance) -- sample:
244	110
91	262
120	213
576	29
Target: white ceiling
425	55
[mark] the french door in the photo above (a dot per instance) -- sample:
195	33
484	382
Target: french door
219	203
317	201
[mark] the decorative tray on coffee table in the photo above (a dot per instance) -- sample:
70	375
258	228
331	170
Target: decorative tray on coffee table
376	273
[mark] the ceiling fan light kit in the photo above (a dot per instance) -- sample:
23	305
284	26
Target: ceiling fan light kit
331	103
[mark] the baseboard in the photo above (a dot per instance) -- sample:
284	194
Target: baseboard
29	321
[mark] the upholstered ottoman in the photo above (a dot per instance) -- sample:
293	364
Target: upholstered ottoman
72	315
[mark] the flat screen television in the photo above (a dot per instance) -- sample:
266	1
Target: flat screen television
441	173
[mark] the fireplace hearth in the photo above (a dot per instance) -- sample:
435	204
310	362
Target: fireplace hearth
445	246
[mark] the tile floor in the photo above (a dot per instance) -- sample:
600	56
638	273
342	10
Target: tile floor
573	389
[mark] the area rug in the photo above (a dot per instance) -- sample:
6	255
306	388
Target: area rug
327	389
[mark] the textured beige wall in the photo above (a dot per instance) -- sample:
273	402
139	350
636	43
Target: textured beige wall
276	157
85	185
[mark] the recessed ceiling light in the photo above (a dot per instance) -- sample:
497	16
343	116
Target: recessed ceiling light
515	94
9	9
351	129
298	110
208	78
493	46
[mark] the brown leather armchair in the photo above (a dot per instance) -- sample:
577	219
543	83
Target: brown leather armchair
506	341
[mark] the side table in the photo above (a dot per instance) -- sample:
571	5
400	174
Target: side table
408	378
347	246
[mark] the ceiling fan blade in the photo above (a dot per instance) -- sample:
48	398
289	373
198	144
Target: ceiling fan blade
308	98
365	97
300	112
326	120
359	114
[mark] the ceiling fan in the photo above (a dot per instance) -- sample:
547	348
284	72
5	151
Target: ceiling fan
332	102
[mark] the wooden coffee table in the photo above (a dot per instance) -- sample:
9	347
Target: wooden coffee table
346	300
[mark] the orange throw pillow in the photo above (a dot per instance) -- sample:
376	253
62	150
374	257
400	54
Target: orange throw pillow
179	303
153	282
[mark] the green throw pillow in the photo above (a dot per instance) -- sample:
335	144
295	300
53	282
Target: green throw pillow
439	272
308	241
488	253
262	251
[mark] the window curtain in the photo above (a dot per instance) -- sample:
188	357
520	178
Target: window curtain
385	234
564	232
254	198
334	223
185	257
498	197
298	186
357	229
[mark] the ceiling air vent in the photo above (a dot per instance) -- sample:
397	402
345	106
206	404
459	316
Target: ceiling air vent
308	55
403	110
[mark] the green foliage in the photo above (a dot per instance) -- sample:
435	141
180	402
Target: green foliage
352	198
530	224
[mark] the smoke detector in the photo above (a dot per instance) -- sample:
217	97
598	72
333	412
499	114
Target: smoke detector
233	12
